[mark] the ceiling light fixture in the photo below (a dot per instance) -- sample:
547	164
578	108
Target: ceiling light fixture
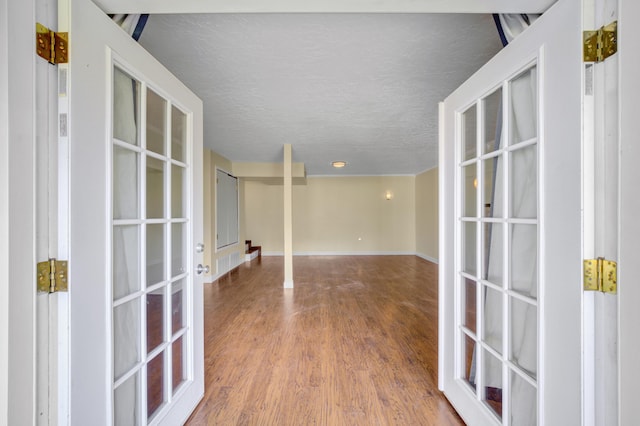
338	164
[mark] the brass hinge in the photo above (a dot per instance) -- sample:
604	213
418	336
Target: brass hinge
52	276
601	275
600	44
52	46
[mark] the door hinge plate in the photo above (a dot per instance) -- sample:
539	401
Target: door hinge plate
52	276
600	275
601	43
51	45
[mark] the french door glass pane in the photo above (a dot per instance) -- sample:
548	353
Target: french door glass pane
491	193
178	183
493	259
178	244
524	403
125	184
155	384
155	253
492	106
178	306
126	337
524	182
178	134
179	366
469	139
126	402
156	122
524	336
469	247
126	266
523	111
524	259
492	332
469	190
469	304
155	188
492	375
156	306
469	353
126	109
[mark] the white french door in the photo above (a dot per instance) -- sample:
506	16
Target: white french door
511	224
135	205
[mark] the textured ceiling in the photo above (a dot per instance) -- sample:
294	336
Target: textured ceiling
363	88
325	6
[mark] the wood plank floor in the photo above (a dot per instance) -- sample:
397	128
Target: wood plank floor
355	343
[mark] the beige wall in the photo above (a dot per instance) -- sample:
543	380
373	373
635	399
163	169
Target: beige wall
426	197
335	215
212	160
264	215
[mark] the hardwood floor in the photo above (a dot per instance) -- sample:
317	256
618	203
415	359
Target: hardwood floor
354	343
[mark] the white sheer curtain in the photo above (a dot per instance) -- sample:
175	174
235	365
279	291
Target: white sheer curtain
523	239
523	246
126	239
126	248
512	24
132	23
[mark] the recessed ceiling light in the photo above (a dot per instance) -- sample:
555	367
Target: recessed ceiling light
339	164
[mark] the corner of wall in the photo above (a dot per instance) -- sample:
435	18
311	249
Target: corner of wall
427	228
242	215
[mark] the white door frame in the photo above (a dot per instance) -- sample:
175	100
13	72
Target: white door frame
4	212
629	227
17	214
600	213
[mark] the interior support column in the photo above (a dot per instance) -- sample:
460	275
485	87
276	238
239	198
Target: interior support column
288	218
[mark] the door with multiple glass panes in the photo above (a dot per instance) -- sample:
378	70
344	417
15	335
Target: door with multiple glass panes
135	288
498	255
151	278
511	252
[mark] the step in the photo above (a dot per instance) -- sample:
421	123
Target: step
253	253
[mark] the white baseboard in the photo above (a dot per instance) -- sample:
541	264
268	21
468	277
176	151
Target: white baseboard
353	253
427	258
